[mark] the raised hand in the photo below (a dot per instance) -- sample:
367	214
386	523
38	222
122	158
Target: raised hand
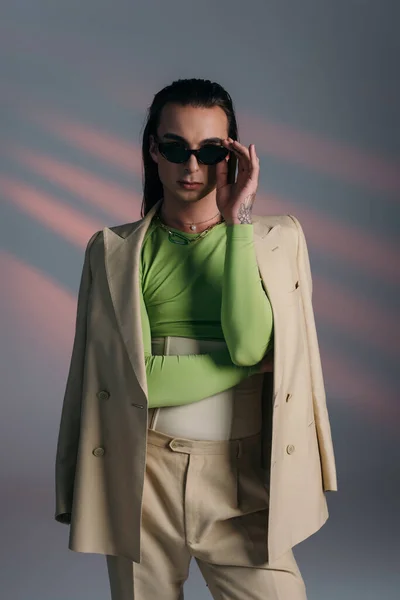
235	200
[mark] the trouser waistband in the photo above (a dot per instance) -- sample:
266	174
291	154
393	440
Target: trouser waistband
237	446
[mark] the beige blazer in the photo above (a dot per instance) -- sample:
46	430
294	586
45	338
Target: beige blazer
101	450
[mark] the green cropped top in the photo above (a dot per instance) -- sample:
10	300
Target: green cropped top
209	289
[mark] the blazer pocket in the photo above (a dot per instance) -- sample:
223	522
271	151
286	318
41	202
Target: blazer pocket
293	294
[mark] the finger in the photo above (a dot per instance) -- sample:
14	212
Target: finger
222	174
253	155
241	153
239	149
255	161
244	161
248	159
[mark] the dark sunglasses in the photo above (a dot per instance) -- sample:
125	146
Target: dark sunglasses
176	152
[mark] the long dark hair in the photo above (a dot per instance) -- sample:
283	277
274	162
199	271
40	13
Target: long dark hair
201	93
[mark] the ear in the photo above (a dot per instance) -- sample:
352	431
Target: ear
153	149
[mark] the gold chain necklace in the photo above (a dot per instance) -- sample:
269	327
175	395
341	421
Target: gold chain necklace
179	238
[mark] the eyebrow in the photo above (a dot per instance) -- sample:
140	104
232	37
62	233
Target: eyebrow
174	136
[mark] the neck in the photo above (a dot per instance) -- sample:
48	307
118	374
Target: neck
202	215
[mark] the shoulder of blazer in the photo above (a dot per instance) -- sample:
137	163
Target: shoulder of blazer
289	230
95	242
95	246
121	230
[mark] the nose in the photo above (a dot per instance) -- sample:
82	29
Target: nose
192	164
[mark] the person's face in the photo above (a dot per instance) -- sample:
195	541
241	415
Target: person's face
194	125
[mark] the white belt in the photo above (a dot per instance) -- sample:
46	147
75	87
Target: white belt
231	414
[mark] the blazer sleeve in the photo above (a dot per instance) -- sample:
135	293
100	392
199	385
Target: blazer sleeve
68	436
319	398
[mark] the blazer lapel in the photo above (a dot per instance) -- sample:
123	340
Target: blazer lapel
122	260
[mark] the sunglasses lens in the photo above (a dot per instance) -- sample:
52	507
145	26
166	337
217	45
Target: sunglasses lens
208	155
212	154
175	153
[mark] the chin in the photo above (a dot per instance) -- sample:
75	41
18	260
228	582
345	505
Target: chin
190	195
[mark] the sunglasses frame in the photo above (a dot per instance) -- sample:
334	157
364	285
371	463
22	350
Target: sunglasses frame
189	152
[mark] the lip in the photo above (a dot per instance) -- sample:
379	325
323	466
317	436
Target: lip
189	184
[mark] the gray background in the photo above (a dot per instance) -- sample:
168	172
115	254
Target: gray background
316	88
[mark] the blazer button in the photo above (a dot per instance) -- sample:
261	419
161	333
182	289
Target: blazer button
99	451
290	449
103	395
288	397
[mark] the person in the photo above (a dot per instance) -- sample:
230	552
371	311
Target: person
194	421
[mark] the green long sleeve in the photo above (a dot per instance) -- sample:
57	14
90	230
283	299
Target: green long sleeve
246	312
